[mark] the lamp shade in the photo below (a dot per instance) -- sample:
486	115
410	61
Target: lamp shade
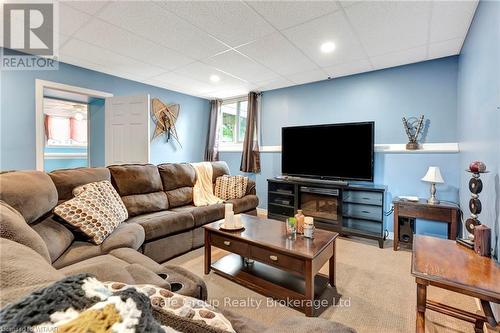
433	175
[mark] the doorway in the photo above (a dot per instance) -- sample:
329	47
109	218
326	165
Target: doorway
69	126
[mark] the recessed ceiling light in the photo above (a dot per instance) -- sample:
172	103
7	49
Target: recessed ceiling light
327	47
214	78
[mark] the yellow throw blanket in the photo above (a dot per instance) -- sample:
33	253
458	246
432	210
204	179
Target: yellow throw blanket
203	191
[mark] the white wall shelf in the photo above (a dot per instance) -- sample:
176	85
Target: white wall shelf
392	148
64	156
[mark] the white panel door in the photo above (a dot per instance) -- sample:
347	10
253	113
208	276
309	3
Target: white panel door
127	129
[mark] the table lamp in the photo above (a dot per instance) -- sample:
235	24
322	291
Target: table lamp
434	177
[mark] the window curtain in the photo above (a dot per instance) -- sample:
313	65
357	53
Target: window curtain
212	148
250	159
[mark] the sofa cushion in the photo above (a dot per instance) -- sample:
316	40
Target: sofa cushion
248	202
125	236
204	214
109	268
219	168
145	203
164	223
31	193
178	180
23	271
66	180
95	211
55	235
135	178
176	175
140	187
14	227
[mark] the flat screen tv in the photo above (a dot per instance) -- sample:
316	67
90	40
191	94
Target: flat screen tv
334	151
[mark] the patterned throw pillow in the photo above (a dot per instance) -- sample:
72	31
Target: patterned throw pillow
182	313
231	187
96	210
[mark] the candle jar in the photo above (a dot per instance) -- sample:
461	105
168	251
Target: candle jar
308	231
291	228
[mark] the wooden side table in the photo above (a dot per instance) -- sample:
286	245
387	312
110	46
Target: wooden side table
443	212
444	264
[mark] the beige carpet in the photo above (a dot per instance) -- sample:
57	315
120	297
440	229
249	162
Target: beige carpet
377	289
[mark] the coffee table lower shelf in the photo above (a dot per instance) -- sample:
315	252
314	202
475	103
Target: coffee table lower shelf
278	284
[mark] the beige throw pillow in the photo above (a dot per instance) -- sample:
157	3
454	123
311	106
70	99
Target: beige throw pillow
96	210
231	187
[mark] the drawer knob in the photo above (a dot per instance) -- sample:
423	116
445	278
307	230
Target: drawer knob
273	258
365	211
227	243
365	198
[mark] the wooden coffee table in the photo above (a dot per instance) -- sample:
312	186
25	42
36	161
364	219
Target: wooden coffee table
278	267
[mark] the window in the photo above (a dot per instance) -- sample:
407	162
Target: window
65	123
234	122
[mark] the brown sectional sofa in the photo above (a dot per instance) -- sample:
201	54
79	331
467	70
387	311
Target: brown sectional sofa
36	249
162	221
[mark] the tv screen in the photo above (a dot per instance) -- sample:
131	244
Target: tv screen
335	151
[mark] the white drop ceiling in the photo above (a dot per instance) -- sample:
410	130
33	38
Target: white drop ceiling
259	45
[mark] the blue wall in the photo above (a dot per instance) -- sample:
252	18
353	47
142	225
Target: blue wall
17	136
479	110
384	96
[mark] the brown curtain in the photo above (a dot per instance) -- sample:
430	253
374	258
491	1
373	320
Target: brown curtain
211	150
250	159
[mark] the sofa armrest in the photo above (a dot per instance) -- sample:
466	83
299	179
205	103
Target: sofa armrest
251	187
130	235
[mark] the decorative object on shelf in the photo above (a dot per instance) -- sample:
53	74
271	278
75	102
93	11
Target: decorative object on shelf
308	227
476	168
482	240
164	117
413	127
291	228
434	177
300	221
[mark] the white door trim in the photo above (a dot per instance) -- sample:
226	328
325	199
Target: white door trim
40	85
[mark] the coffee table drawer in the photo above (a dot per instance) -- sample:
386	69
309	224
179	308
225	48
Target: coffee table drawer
277	259
230	245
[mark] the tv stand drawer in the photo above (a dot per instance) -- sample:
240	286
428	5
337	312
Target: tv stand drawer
363	197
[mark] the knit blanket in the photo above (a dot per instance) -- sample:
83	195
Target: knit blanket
203	191
82	304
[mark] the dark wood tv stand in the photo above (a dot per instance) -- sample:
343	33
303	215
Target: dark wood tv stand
355	209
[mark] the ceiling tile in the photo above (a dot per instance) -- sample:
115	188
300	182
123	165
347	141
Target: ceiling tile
400	58
333	27
125	43
349	68
202	73
183	81
89	7
240	66
70	19
276	52
285	14
309	76
273	84
446	48
451	19
150	20
233	22
388	26
114	62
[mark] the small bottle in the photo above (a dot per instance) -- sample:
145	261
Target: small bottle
300	221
